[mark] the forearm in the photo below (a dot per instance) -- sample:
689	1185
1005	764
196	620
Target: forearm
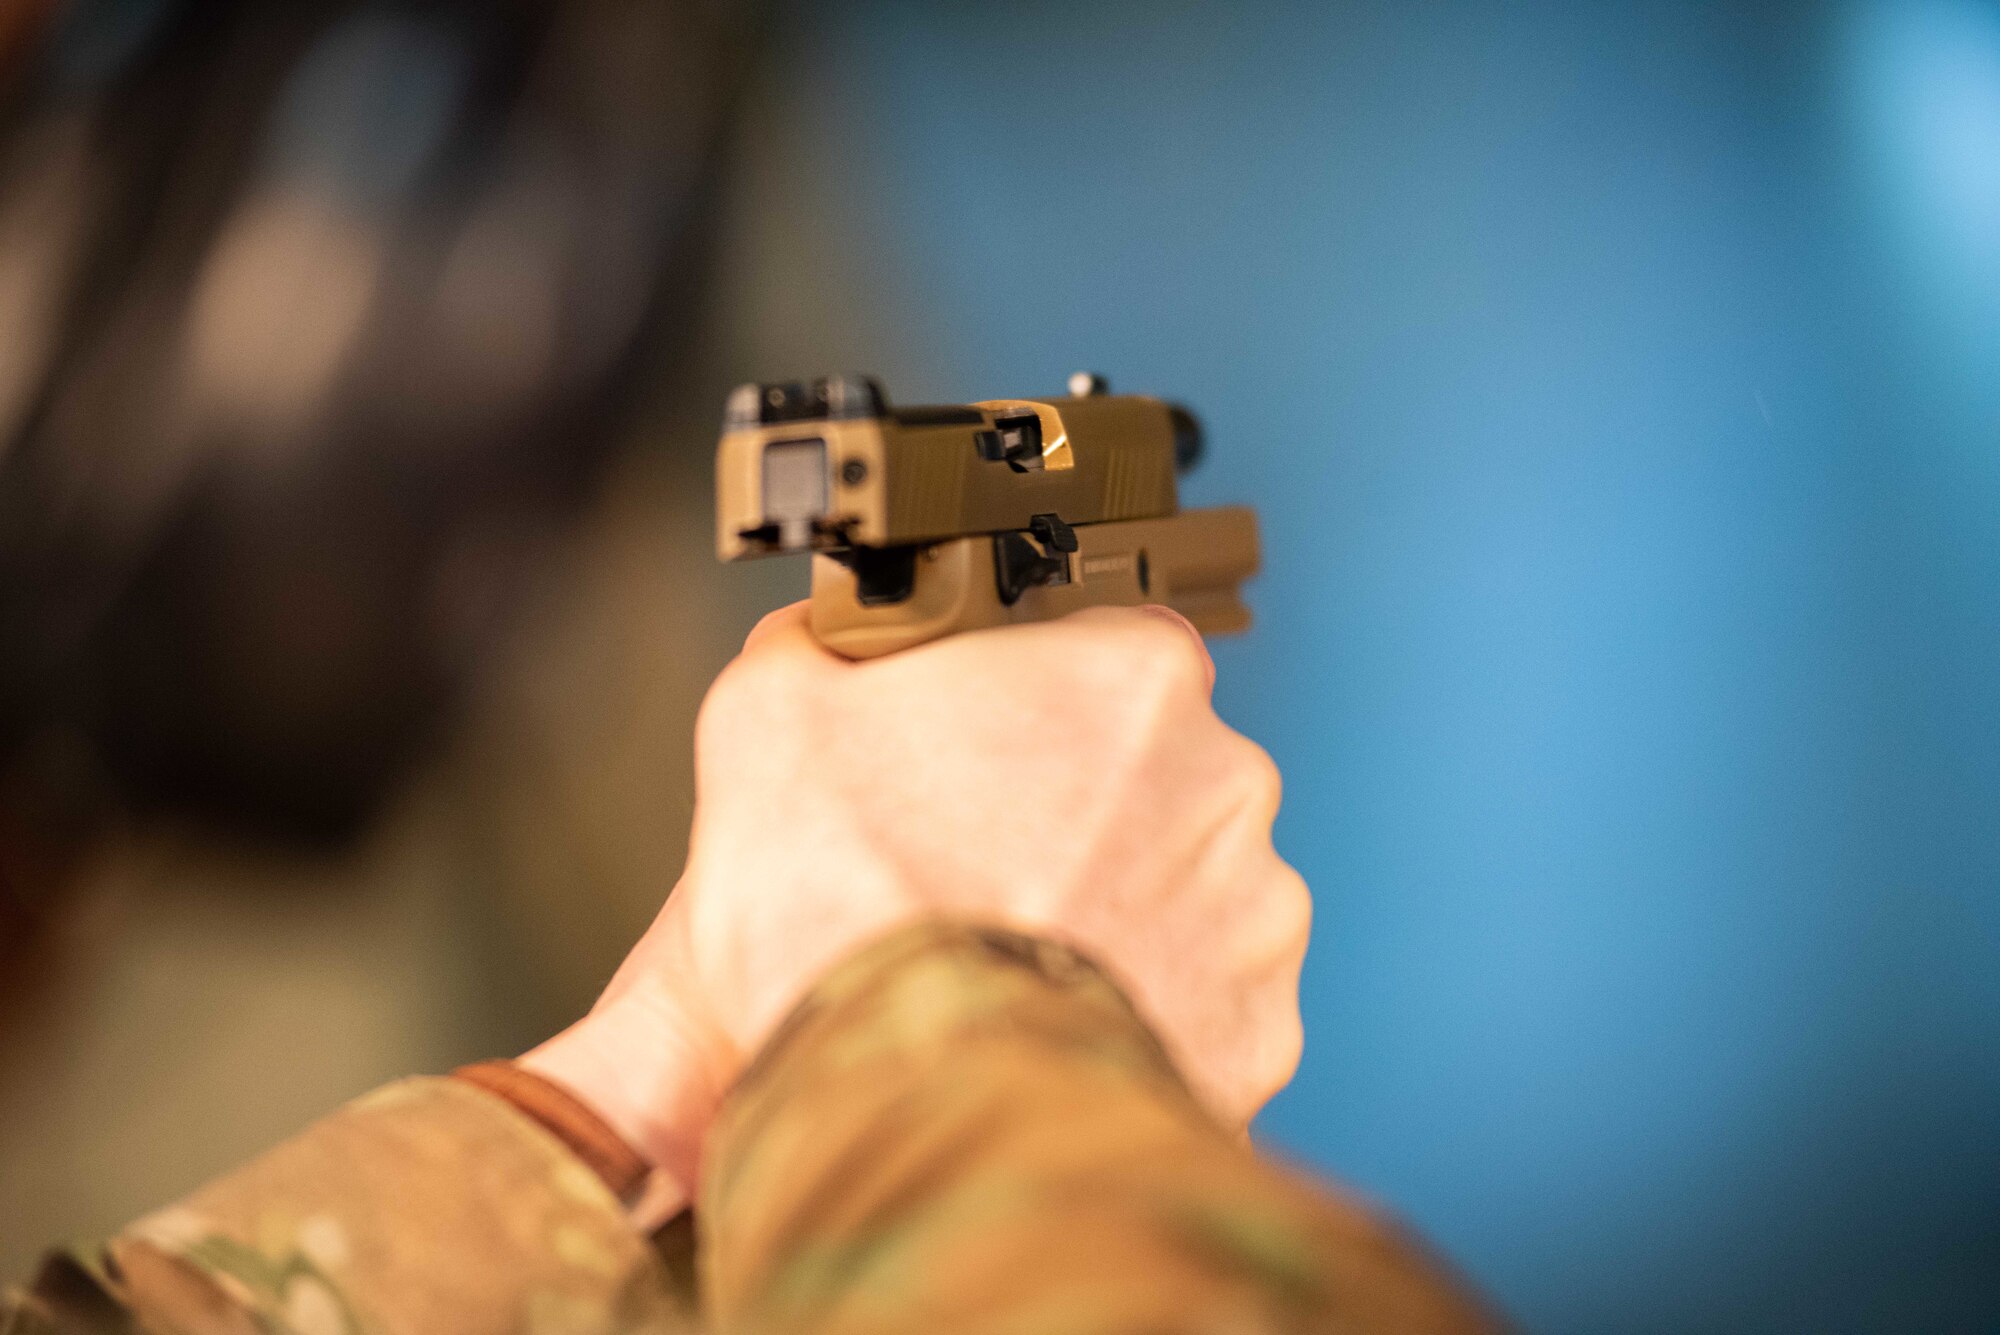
431	1205
966	1131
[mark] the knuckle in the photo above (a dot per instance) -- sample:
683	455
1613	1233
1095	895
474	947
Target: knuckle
1275	934
1293	900
1287	1048
1257	778
1272	1051
1163	659
1134	659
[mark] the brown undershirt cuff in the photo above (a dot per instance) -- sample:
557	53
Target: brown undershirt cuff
567	1118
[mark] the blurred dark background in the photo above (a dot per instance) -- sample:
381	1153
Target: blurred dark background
1619	385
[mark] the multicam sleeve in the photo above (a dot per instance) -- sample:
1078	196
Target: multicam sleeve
430	1206
969	1130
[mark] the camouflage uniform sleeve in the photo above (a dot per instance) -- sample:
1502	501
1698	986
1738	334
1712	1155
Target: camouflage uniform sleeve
427	1206
969	1130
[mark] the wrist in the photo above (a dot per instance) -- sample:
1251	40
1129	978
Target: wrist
650	1070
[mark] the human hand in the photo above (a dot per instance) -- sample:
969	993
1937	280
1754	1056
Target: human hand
1067	779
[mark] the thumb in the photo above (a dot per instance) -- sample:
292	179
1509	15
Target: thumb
787	633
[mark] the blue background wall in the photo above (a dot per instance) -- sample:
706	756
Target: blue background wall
1620	385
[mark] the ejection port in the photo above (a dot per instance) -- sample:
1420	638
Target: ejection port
796	484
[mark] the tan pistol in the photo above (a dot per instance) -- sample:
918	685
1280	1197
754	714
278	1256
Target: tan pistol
931	520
